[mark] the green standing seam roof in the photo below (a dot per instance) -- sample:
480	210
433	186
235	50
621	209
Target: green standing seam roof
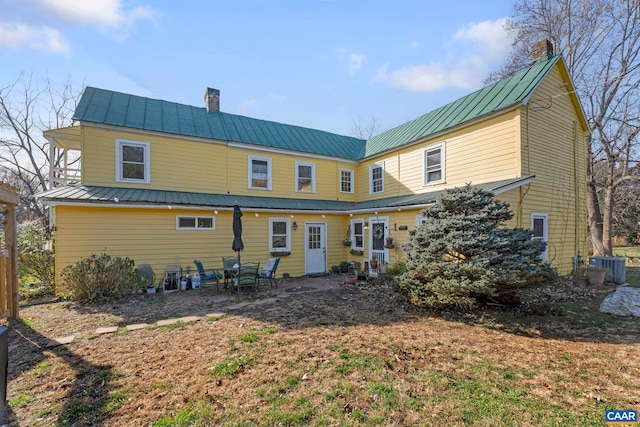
128	196
499	96
119	109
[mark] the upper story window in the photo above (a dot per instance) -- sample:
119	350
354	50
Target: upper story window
279	234
259	173
132	161
346	181
357	234
376	178
305	177
433	159
195	223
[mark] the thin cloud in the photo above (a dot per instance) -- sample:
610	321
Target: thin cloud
355	62
104	13
480	46
16	35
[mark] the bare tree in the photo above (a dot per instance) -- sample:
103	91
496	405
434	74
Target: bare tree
365	129
28	108
600	42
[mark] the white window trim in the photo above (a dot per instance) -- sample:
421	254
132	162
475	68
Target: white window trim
545	237
250	172
288	244
147	160
313	177
371	167
352	180
353	234
213	222
443	156
420	219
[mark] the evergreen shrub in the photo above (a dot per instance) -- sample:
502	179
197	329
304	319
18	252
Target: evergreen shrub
463	252
101	278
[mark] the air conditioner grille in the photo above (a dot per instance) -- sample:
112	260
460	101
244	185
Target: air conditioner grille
616	266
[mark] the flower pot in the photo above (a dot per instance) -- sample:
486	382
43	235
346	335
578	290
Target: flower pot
596	276
344	268
351	280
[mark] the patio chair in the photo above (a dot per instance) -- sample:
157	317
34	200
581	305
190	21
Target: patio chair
268	272
229	264
207	275
247	276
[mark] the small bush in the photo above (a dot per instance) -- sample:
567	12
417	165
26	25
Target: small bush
395	270
36	266
102	277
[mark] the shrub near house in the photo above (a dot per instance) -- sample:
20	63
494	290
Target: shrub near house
463	252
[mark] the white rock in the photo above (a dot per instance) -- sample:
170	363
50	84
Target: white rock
625	301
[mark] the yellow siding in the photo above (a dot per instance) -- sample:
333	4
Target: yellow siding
149	236
197	166
553	149
486	151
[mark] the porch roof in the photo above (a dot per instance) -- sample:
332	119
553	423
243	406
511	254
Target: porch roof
130	197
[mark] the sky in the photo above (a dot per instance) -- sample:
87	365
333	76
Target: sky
323	64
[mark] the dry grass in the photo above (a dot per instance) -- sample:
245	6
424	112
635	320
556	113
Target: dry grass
349	355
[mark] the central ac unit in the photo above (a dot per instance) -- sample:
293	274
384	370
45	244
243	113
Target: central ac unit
615	265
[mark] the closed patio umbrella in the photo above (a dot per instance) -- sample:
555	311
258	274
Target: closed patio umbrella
237	245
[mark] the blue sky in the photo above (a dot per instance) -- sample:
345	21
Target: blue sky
316	63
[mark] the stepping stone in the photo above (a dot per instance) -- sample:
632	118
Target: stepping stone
54	342
215	315
107	330
265	301
137	326
167	322
237	306
188	319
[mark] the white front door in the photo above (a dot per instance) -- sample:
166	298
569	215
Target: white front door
378	232
315	252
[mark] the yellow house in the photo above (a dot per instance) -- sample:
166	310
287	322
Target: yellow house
157	180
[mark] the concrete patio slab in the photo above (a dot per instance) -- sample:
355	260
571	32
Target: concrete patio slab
187	319
137	326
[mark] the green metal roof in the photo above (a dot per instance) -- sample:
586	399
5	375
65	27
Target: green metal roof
83	194
120	109
501	95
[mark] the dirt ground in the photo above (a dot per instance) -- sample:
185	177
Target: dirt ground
295	341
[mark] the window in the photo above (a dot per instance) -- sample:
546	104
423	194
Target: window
420	219
305	177
132	161
259	173
376	182
357	234
346	181
195	223
279	234
540	228
433	159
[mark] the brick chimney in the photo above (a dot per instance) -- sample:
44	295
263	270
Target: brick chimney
542	49
212	100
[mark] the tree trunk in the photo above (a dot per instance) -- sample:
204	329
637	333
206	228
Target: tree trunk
595	221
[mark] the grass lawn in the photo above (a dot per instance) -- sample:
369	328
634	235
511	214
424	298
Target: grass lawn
350	355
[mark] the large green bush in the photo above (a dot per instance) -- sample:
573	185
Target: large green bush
102	277
463	252
36	266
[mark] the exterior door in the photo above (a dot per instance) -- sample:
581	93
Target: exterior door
315	253
378	232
